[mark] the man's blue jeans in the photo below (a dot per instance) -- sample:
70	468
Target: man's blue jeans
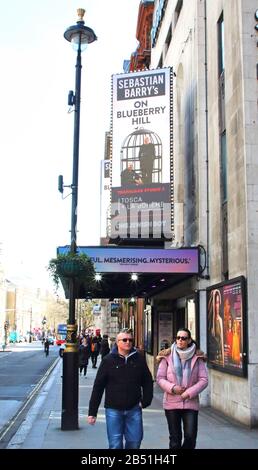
125	424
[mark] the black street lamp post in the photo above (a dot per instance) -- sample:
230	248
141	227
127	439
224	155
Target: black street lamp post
79	35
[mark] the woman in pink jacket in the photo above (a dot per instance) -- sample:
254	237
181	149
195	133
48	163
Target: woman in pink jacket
182	375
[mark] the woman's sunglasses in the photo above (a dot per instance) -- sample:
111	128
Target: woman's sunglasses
183	338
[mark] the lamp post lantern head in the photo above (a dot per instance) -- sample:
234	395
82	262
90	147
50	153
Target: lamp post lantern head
79	34
81	13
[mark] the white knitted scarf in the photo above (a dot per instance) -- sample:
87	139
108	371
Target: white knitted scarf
182	363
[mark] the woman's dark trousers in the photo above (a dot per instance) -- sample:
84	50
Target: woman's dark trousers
175	418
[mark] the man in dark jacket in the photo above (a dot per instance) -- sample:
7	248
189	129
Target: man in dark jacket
104	346
128	385
46	346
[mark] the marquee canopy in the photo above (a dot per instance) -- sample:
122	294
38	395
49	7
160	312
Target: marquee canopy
157	269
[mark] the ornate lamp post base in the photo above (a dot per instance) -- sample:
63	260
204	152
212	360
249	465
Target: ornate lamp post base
69	416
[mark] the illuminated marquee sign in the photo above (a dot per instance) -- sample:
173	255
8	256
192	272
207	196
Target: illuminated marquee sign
141	260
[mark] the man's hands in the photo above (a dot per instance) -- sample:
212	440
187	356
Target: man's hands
92	419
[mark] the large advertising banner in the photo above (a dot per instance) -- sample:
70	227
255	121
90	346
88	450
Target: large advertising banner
226	327
140	260
104	196
165	330
142	154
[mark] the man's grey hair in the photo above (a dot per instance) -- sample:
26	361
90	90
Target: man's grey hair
126	330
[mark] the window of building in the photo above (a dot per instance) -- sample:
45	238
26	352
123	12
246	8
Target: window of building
224	205
157	20
223	144
178	10
221	44
169	37
223	157
167	42
160	64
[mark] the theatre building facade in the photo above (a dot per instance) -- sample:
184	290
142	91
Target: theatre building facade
205	135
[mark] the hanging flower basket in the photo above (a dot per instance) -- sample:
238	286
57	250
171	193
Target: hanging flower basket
70	268
71	265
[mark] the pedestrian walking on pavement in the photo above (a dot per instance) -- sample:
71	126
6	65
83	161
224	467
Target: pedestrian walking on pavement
128	385
182	374
46	346
84	354
104	346
95	348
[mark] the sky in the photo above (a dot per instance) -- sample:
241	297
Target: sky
36	137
